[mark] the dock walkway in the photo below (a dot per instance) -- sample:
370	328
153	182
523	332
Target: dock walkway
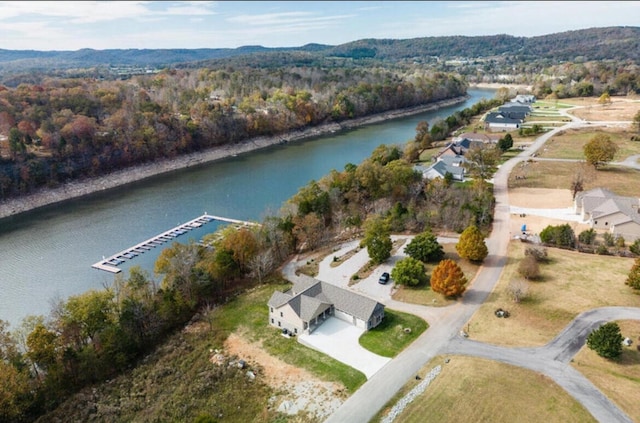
110	264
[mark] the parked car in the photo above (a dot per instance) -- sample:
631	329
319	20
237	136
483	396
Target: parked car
384	278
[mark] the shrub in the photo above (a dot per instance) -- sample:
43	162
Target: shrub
529	268
518	290
633	280
540	254
587	236
558	236
635	247
608	239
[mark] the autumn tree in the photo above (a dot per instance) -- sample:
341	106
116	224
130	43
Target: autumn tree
605	99
448	279
425	247
409	271
423	137
377	239
471	245
600	150
481	161
633	279
606	340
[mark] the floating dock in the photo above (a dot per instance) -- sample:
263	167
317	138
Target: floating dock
110	264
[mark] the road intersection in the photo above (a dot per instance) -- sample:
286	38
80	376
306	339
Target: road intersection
446	323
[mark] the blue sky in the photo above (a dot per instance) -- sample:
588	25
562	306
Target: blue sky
61	25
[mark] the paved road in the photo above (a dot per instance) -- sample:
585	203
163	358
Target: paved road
446	322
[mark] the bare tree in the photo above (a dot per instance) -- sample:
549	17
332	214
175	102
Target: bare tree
262	264
518	289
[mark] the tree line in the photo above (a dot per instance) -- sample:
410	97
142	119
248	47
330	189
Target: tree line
65	129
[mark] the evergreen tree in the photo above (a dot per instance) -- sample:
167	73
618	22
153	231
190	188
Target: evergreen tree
448	279
471	245
606	340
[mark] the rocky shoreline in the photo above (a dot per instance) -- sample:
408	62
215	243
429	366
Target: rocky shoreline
76	189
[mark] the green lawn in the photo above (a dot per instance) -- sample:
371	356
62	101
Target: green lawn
394	334
249	314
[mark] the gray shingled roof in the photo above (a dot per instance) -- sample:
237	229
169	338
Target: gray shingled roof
311	297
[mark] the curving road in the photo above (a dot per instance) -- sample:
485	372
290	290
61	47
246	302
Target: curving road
446	323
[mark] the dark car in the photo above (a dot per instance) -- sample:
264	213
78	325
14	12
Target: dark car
384	278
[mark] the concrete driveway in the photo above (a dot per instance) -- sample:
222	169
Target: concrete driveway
339	339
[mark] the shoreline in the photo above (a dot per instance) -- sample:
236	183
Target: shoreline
80	188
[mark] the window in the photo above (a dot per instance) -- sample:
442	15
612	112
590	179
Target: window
295	330
271	321
279	323
606	223
272	309
281	315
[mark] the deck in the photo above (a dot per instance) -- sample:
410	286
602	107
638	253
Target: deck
110	264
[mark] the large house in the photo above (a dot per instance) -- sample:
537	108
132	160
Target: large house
445	164
603	209
509	116
310	302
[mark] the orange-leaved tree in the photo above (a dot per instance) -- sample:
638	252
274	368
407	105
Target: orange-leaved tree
448	279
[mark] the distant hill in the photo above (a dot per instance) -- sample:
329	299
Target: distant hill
611	43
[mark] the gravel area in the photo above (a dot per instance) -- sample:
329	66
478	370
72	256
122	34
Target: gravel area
407	399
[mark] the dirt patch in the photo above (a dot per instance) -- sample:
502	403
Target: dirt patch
540	198
297	390
619	109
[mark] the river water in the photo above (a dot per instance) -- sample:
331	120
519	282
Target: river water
47	253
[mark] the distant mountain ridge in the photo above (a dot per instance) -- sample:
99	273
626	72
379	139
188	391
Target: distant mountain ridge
610	43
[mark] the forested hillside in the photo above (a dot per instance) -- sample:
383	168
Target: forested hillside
65	129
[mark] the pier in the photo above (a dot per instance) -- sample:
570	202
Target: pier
110	264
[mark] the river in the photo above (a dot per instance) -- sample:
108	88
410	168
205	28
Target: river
47	253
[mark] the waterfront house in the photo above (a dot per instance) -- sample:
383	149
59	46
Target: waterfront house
310	302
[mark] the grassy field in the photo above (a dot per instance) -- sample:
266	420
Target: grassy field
570	144
618	379
557	175
422	294
395	333
470	390
571	283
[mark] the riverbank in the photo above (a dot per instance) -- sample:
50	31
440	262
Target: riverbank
76	189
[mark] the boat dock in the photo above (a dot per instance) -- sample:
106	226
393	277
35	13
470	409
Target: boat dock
110	264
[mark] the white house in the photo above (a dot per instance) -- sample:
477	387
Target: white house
604	210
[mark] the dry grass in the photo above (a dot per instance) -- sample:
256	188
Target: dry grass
619	379
620	108
477	390
571	283
557	175
424	295
569	144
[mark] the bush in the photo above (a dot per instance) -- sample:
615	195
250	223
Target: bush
539	254
587	237
606	340
529	268
633	280
558	236
635	247
609	241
